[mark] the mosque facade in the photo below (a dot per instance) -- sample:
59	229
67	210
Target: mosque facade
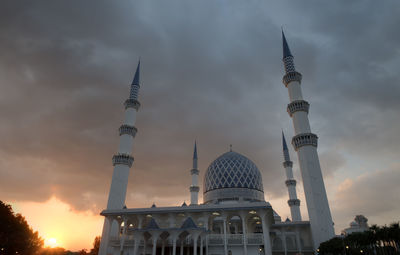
234	217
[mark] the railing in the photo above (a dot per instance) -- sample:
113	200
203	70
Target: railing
215	239
235	239
252	239
255	239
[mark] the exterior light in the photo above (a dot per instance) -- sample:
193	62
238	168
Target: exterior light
252	212
361	251
317	250
149	216
215	213
258	223
347	246
256	218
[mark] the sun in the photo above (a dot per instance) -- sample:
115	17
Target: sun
51	242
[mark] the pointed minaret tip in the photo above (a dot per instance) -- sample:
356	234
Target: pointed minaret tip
136	78
195	150
285	148
284	145
286	50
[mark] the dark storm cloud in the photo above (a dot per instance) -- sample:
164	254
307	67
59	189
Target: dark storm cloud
211	71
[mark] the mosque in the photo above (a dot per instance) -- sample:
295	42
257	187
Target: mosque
234	217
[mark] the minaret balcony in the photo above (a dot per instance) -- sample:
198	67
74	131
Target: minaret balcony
132	103
127	130
292	202
290	182
304	140
122	159
194	188
297	106
194	171
287	164
291	76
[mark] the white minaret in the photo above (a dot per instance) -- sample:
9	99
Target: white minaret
122	161
293	202
194	188
305	143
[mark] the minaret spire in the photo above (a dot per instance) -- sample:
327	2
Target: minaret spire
135	84
285	148
286	50
194	188
294	202
305	144
195	155
288	59
122	161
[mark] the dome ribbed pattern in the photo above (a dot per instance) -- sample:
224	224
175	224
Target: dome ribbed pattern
232	170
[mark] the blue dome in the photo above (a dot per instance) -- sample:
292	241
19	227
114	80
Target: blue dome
233	171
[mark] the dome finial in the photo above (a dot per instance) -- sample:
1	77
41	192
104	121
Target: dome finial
230	147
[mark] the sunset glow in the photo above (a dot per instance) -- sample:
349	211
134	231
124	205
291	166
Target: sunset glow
51	242
59	225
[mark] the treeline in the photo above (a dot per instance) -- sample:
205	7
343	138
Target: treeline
18	238
378	240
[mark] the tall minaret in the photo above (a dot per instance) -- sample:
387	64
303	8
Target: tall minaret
194	188
305	143
293	202
122	161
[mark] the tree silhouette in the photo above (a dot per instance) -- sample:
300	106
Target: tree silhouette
376	241
16	236
96	246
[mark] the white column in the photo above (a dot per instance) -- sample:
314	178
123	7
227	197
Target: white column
225	238
140	222
163	248
122	242
298	241
244	228
155	237
284	242
137	238
201	245
174	246
195	244
181	249
267	240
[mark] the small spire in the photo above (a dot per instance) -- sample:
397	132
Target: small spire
285	148
136	78
195	150
230	147
135	84
195	155
286	50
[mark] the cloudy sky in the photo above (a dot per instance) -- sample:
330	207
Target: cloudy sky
211	71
